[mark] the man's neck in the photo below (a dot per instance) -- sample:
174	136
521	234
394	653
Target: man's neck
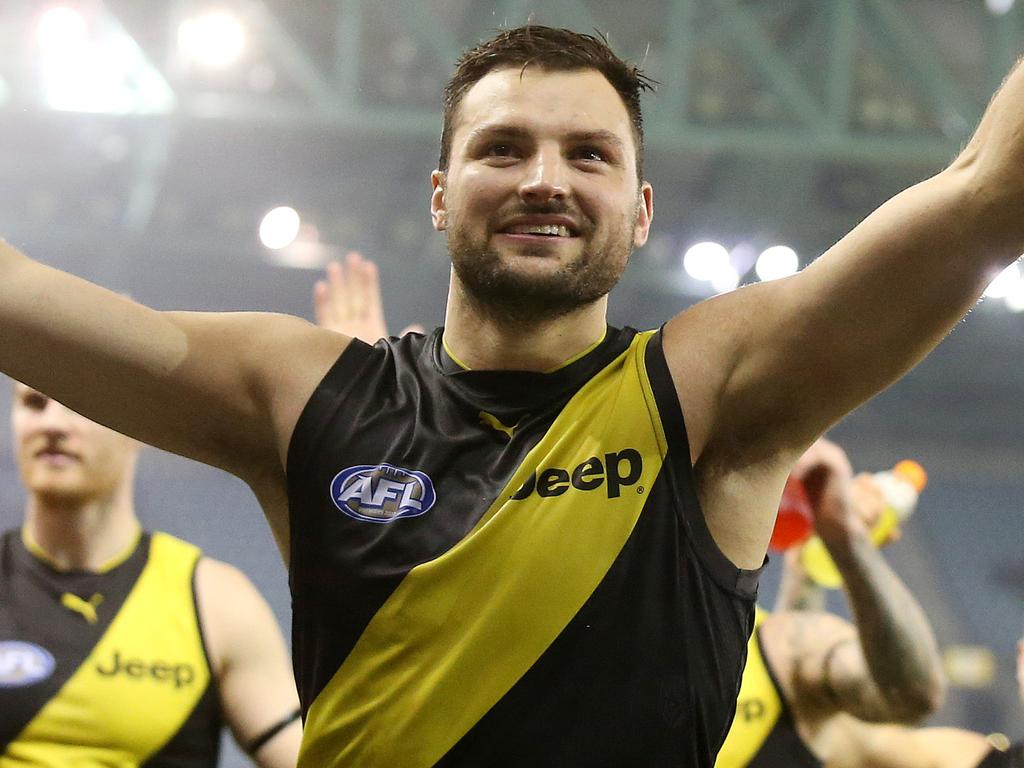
479	340
86	536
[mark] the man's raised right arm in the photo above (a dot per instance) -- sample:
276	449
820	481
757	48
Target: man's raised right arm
221	388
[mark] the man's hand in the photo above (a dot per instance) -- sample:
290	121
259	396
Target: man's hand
827	476
349	301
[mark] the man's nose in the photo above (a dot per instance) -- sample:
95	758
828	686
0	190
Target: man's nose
545	179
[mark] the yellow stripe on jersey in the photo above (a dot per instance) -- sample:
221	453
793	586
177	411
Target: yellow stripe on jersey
758	707
150	660
461	630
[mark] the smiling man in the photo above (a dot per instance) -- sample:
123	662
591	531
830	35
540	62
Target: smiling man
575	587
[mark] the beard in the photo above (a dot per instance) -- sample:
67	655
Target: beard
516	295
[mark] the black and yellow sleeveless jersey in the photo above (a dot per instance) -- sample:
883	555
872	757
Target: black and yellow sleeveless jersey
104	669
506	568
763	734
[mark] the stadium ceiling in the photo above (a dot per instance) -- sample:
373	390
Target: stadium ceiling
866	80
776	121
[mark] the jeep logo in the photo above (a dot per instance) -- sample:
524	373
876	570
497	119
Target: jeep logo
162	672
617	470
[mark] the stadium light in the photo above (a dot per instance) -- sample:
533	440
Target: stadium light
777	261
280	227
214	39
704	260
1004	283
61	28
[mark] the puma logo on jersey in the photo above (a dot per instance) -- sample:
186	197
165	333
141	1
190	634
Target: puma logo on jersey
617	471
492	421
159	671
87	608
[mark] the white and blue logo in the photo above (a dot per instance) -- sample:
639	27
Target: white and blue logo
23	664
382	493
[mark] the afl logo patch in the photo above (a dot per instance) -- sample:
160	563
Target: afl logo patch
24	664
382	493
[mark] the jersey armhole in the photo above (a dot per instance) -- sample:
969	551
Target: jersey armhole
740	581
332	387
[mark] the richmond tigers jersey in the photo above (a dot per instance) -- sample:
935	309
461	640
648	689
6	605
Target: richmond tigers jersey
104	669
763	734
505	568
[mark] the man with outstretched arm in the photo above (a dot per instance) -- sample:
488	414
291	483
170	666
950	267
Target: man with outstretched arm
540	566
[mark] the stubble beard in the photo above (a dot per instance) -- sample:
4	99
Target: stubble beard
519	297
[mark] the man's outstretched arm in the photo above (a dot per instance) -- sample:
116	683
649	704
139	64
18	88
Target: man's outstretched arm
225	389
763	370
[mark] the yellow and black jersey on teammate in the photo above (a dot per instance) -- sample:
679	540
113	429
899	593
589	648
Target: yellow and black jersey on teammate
763	733
500	565
104	668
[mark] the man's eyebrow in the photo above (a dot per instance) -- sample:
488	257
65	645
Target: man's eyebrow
599	136
516	132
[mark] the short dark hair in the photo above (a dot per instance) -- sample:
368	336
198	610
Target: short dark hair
551	49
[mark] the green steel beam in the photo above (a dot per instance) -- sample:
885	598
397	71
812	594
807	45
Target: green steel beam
909	45
772	65
672	100
844	27
348	50
290	54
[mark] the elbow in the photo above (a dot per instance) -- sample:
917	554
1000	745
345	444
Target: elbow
912	704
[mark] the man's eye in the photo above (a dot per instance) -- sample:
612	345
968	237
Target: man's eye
35	401
589	153
500	150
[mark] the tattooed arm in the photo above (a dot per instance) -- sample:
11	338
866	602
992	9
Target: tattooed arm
887	668
797	590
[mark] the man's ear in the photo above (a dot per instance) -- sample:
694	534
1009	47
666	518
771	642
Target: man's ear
438	210
645	215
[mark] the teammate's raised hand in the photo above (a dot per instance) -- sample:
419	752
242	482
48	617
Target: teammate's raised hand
349	301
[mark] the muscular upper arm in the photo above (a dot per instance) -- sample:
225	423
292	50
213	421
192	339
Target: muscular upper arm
223	388
818	661
764	370
251	665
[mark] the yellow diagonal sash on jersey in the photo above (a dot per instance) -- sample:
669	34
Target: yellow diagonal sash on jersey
460	630
86	722
757	708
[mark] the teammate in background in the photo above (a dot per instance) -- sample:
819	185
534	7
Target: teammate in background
846	741
505	544
809	670
120	646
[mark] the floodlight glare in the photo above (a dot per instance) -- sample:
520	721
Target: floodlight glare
999	7
61	28
1015	298
725	278
704	260
777	261
1005	282
214	39
280	227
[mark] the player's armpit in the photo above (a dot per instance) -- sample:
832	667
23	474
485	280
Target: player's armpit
250	660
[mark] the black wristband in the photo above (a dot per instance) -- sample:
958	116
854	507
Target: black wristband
256	744
1011	758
